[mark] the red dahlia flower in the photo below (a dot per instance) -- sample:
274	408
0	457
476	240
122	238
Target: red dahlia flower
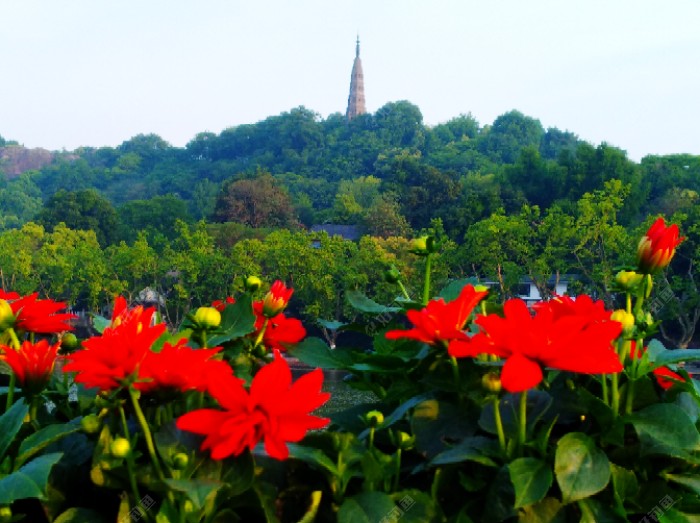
657	247
571	342
280	330
277	299
105	361
32	364
181	368
39	316
441	322
583	306
275	410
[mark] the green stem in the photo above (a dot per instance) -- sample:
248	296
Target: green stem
261	334
615	396
13	379
403	290
371	438
426	282
133	394
204	338
604	383
499	423
129	458
395	487
455	373
522	422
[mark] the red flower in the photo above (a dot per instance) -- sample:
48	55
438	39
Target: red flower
220	305
657	247
39	316
441	322
277	299
280	331
275	410
105	361
583	306
570	342
181	368
665	377
32	364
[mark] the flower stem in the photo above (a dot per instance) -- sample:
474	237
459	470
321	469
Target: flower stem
426	281
398	470
403	290
129	458
499	423
133	394
604	383
522	422
13	379
261	334
455	373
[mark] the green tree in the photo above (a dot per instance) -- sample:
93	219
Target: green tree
83	210
258	202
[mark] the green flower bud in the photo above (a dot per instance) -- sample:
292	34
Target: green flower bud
207	318
404	441
69	341
628	280
625	318
481	288
7	318
188	506
120	447
491	382
5	514
423	246
91	424
252	283
374	418
392	275
180	461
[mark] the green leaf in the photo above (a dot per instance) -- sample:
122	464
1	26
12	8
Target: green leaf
364	304
237	320
659	356
665	429
316	353
416	506
197	490
80	515
368	507
29	481
581	468
10	423
312	456
625	484
43	438
330	324
531	479
100	323
477	449
546	511
690	481
451	291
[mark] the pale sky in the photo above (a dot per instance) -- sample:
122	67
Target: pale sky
98	72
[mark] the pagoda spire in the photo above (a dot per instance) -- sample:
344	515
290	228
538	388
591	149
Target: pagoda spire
356	100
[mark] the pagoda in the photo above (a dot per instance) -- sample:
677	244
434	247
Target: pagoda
356	100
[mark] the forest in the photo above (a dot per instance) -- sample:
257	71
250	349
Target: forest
507	202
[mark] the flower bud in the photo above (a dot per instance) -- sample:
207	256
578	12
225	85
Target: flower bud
5	514
252	283
491	382
7	317
481	288
404	441
657	247
374	418
625	318
69	341
188	506
422	246
628	280
180	461
392	275
276	300
207	318
120	447
91	424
